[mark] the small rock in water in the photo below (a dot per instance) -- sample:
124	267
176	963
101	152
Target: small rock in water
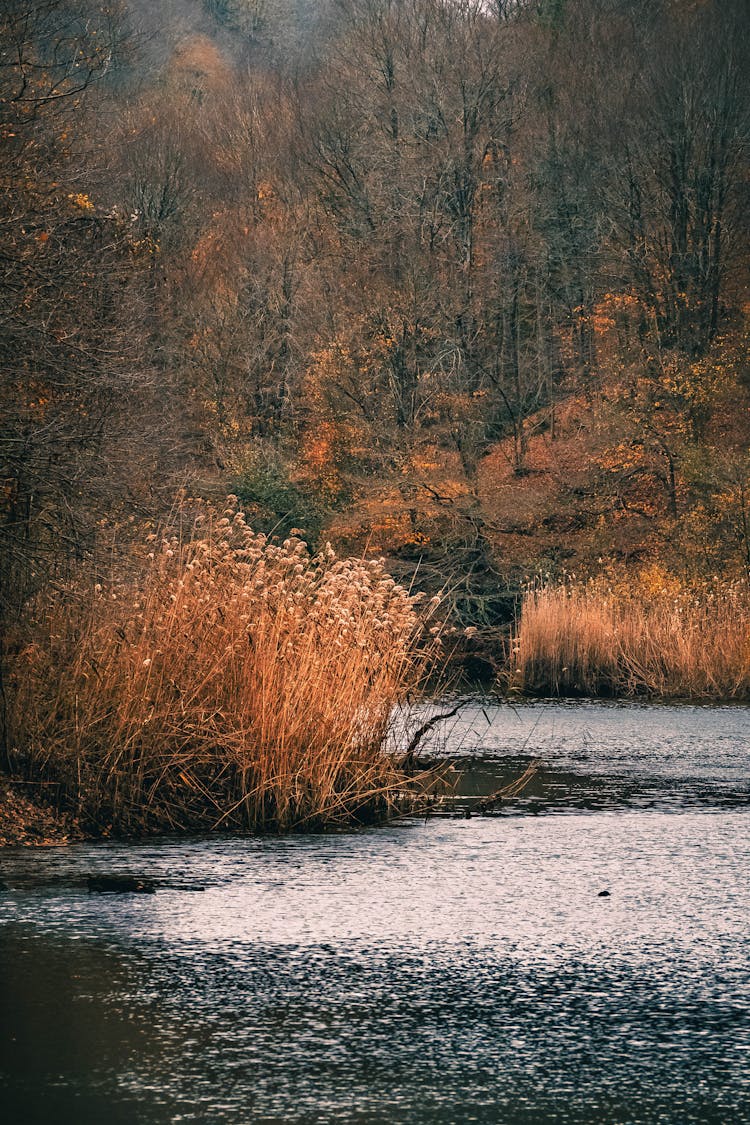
121	885
603	894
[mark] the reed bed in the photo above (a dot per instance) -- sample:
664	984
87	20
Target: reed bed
237	684
637	638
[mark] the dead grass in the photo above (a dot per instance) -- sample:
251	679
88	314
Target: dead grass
238	684
660	639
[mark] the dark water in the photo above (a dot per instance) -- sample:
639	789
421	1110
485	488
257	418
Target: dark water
450	971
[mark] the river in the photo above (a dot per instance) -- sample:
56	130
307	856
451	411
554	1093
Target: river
440	970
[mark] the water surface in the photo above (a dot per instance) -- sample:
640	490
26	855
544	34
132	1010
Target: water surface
451	970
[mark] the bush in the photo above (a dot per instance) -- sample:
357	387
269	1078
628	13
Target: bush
276	505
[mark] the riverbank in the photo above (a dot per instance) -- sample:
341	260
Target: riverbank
26	822
644	635
490	746
640	632
219	681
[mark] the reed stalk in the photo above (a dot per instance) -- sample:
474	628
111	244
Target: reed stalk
668	641
237	683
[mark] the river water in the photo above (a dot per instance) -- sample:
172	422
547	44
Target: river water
448	970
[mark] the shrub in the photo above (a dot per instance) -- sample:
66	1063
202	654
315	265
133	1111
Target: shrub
277	505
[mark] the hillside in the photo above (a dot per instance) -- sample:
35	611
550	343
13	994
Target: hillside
463	285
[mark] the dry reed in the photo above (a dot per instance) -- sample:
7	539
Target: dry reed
240	684
660	639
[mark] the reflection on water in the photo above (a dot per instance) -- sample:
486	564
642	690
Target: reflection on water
600	755
448	971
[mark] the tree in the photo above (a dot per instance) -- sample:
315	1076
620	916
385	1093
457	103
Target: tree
677	139
70	301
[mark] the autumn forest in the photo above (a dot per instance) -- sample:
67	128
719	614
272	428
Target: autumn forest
463	285
374	561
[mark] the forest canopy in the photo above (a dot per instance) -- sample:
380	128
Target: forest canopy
460	283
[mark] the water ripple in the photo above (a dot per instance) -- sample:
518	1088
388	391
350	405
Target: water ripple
448	971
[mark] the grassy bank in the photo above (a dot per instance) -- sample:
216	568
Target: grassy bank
650	635
235	683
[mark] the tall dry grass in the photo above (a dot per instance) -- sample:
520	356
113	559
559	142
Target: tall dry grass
644	637
238	683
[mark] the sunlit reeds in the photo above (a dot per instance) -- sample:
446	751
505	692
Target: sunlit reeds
237	684
629	638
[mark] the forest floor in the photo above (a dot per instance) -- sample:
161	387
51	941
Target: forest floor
27	822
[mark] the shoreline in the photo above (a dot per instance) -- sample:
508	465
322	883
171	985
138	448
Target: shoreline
27	822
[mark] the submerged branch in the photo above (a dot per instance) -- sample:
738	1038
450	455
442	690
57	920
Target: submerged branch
507	792
409	756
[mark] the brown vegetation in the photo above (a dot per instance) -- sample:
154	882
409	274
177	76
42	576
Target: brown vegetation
238	684
462	284
26	820
651	636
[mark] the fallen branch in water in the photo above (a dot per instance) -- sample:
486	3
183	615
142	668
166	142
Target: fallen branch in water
508	792
409	756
